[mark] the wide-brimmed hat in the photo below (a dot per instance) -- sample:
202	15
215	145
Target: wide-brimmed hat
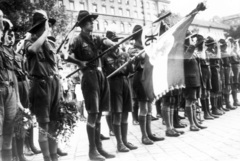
135	29
85	15
39	17
209	41
222	42
112	36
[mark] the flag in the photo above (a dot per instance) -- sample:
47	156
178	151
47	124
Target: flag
164	60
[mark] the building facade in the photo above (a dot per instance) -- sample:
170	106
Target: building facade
232	20
121	15
209	28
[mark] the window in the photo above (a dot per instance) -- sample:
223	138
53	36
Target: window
127	2
95	8
128	13
120	11
122	27
104	9
135	2
82	6
96	25
112	11
135	15
71	5
60	2
105	24
129	28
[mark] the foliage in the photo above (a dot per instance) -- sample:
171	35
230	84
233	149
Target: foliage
68	117
234	32
23	121
21	11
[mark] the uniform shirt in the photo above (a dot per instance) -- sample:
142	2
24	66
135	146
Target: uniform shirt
42	63
6	64
192	69
114	60
86	47
140	60
19	64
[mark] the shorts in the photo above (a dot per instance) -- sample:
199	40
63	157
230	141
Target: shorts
8	109
120	95
44	99
95	88
192	93
23	87
138	87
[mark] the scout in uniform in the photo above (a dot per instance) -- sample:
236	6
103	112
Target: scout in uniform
193	81
95	86
121	102
9	96
145	115
214	56
44	84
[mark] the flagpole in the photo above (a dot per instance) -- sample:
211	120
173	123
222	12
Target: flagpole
122	41
60	46
126	63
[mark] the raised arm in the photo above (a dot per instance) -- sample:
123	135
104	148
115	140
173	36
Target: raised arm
39	42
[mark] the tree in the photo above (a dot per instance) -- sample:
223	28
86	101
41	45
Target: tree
234	32
21	11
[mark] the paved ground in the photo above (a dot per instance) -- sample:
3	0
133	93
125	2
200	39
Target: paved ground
219	142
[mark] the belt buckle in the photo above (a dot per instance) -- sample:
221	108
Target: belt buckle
99	68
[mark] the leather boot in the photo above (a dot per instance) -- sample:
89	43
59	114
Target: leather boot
30	139
145	139
98	143
166	116
215	110
176	120
219	105
6	154
53	149
235	99
208	109
20	143
45	150
171	121
124	130
61	153
93	152
206	115
195	118
118	134
228	104
151	136
189	113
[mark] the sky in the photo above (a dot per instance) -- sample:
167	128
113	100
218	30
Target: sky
219	8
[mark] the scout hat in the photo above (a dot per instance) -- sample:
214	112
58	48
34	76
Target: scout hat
85	15
135	29
112	36
39	17
209	41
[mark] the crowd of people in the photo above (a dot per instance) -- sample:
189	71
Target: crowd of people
30	79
